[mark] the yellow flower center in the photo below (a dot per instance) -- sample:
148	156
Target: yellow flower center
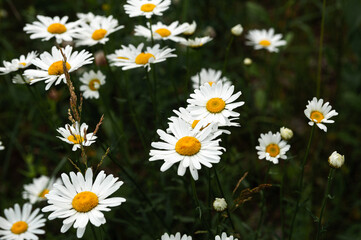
43	193
273	149
57	68
163	32
94	84
148	7
188	146
22	63
19	227
99	34
143	58
316	116
195	122
57	28
215	105
210	83
85	201
77	139
264	43
123	58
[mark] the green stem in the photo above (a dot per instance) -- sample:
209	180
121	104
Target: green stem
226	56
132	180
281	198
155	84
300	183
188	72
93	230
151	31
329	181
319	66
261	219
223	196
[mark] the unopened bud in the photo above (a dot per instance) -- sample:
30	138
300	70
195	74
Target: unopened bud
286	133
336	160
220	204
237	30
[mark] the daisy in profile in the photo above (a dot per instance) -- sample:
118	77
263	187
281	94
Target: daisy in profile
21	224
80	199
133	57
263	39
162	31
191	148
51	65
21	79
224	237
272	147
191	28
215	103
209	76
197	42
319	113
198	124
177	236
37	190
86	17
47	28
147	8
18	63
76	135
91	83
97	31
1	146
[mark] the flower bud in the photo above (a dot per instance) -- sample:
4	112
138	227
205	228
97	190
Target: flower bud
286	133
247	61
336	160
220	204
237	30
191	28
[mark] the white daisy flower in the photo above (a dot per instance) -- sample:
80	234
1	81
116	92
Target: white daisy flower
225	237
319	113
97	31
215	103
1	146
21	79
191	28
146	8
86	17
272	147
51	65
133	57
79	199
37	190
21	224
197	42
78	136
47	28
193	123
191	148
18	63
209	76
162	31
177	236
91	83
263	39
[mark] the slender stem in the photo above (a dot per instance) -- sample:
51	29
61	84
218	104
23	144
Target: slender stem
329	181
155	84
93	230
226	56
301	181
261	219
151	31
188	72
281	198
319	66
198	206
145	197
152	94
223	196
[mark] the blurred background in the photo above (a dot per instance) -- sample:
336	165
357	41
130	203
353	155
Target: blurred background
275	88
